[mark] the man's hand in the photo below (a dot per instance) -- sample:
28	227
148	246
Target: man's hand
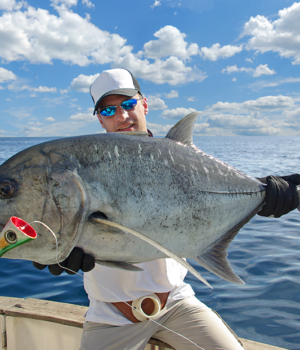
282	195
77	260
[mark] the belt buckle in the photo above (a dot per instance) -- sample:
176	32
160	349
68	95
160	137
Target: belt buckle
138	311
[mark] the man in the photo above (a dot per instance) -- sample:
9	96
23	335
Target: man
183	321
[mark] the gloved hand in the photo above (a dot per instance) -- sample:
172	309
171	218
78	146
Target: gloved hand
77	260
282	195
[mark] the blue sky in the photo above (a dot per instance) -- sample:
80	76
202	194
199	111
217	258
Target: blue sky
238	62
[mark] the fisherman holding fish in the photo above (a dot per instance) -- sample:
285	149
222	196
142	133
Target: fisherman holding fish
158	288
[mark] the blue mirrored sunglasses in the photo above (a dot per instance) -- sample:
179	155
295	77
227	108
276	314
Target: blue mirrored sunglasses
126	105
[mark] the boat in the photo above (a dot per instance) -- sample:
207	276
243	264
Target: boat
38	324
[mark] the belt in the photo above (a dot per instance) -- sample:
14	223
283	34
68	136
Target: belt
144	308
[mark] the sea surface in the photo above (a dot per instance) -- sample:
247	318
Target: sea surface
265	254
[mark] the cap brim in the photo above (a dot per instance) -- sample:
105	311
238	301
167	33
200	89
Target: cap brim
122	92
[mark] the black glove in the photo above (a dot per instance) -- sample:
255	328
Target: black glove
77	260
282	195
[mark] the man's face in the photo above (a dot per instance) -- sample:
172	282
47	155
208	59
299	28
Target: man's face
132	120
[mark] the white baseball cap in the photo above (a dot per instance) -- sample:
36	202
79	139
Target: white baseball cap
114	82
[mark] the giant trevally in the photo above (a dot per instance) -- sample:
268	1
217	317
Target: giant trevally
92	190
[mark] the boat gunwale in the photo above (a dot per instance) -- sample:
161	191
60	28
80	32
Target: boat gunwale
73	315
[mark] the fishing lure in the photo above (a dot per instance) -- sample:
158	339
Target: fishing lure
15	233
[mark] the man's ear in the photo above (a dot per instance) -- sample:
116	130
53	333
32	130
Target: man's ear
145	104
100	120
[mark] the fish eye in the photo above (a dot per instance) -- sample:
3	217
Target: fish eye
7	188
11	237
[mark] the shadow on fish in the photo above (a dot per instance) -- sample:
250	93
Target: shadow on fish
129	199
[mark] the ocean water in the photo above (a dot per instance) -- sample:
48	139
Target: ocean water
265	254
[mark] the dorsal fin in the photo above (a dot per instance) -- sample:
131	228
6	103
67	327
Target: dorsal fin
183	130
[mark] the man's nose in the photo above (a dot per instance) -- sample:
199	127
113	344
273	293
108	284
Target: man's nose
121	114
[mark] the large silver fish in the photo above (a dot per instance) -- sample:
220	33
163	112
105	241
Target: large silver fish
95	191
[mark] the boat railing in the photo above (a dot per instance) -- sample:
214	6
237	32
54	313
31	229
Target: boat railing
46	325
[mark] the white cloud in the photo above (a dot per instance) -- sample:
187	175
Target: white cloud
233	79
191	99
6	75
37	36
40	89
262	69
40	37
249	60
192	5
88	3
156	3
29	88
200	127
293	118
231	69
176	113
9	5
30	129
281	35
243	125
216	51
158	129
247	125
36	123
262	103
237	121
21	112
64	3
83	82
171	94
274	83
170	43
50	119
84	117
268	115
156	103
54	129
172	71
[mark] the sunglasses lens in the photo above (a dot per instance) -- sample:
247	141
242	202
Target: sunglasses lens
108	111
111	110
129	104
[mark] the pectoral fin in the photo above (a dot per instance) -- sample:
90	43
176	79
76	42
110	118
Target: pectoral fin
156	245
119	265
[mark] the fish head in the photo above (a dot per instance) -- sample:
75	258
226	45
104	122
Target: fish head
40	185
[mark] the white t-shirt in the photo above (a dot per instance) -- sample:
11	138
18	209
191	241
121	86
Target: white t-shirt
105	285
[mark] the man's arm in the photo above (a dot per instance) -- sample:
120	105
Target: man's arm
282	195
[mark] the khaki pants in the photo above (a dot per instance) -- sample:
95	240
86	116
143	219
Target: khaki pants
188	317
